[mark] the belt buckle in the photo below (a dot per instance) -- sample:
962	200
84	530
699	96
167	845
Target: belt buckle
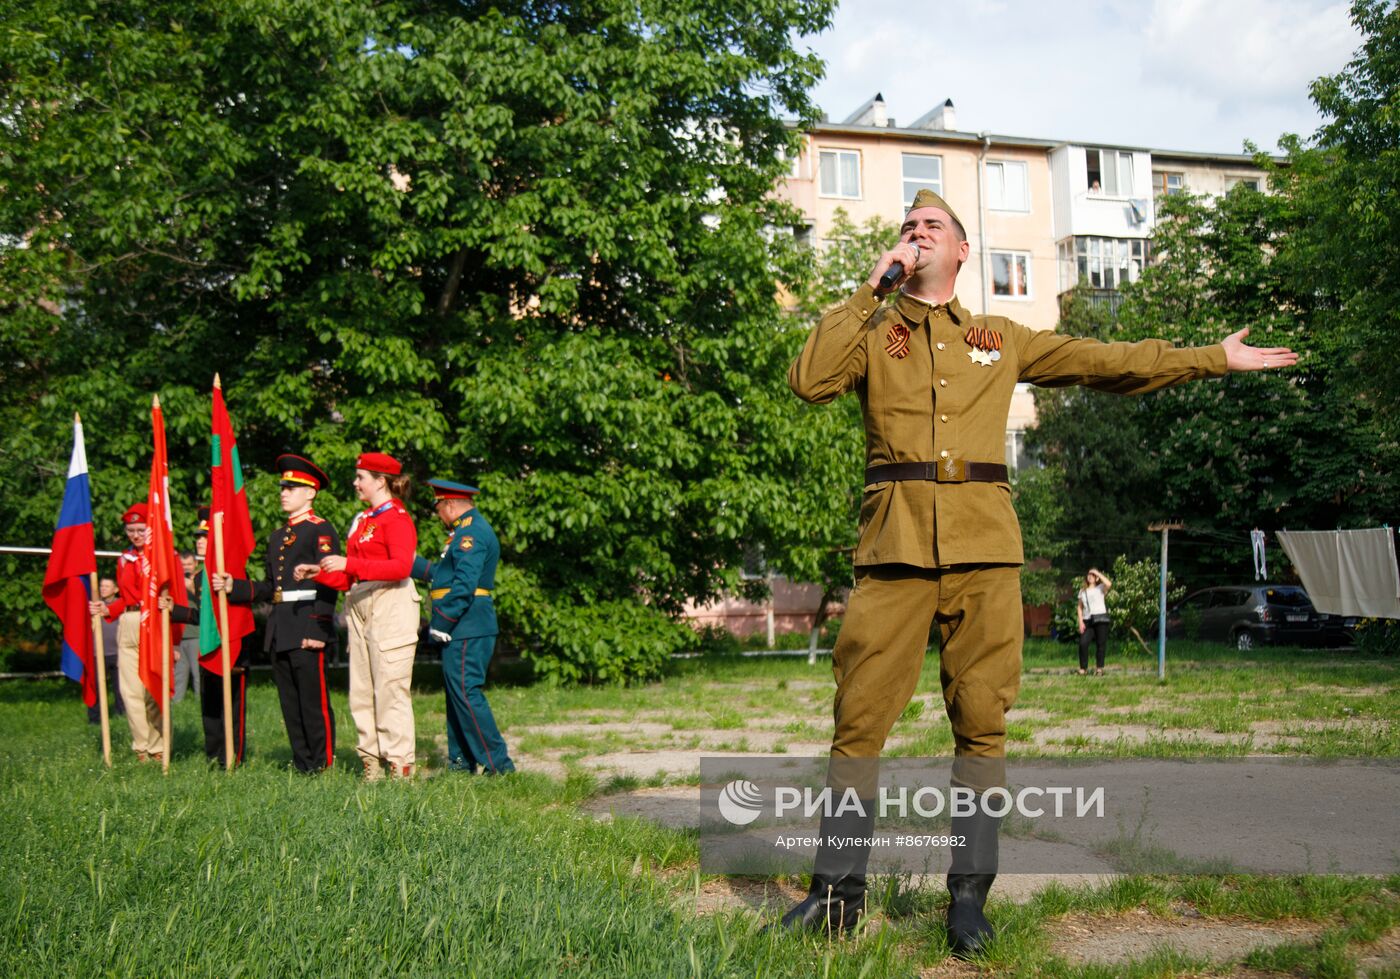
277	595
951	470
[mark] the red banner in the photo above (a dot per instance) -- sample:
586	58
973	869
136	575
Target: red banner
160	565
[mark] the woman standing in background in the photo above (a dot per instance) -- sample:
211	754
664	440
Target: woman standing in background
381	615
1093	619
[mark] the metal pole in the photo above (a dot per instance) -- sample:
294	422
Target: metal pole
1162	615
45	550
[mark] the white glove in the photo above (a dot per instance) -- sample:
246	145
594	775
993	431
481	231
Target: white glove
439	636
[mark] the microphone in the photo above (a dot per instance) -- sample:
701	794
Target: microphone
895	272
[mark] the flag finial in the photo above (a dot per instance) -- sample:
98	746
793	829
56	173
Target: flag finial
77	418
155	401
216	382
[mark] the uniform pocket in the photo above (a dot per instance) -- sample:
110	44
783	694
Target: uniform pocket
394	655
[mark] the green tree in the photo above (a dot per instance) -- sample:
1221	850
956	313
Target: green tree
1268	450
520	243
1344	242
814	536
1094	449
1135	600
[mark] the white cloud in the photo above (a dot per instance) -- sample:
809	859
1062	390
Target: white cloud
1184	74
1241	50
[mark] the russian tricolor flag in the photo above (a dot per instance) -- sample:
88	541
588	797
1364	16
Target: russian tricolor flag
72	561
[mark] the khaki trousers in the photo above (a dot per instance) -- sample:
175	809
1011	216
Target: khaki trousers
880	653
142	710
382	620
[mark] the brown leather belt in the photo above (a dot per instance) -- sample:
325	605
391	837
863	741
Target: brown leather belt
947	471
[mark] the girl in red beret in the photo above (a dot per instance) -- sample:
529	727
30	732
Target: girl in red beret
381	615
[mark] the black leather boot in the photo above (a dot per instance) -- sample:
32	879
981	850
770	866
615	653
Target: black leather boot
970	877
836	900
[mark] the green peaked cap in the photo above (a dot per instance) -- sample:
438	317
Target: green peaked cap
927	198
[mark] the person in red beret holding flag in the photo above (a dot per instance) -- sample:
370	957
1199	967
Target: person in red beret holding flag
143	710
381	614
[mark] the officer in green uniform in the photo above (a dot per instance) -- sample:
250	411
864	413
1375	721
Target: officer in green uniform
939	542
464	621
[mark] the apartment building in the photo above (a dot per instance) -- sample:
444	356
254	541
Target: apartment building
1042	215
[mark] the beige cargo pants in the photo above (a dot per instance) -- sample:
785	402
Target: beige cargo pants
142	710
382	619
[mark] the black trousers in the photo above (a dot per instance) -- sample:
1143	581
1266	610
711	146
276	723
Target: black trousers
1099	630
211	706
306	707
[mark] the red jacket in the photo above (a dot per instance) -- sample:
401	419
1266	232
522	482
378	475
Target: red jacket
131	584
381	546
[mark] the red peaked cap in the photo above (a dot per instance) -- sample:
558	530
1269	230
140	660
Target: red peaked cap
136	513
378	462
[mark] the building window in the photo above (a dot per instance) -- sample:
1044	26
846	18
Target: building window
1166	184
1011	274
1110	172
840	173
1101	263
1232	182
921	172
1017	458
1006	186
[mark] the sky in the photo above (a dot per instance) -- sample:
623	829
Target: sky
1160	74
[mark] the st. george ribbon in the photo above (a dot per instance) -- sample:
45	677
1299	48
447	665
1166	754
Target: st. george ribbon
896	271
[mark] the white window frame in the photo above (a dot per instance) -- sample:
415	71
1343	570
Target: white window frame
1119	158
1014	254
837	153
996	186
919	182
1114	262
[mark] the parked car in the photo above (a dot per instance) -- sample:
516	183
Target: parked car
1246	616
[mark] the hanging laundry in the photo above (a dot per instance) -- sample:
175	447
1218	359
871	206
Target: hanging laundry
1256	543
1347	572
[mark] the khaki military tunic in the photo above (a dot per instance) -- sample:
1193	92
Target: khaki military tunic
945	552
936	405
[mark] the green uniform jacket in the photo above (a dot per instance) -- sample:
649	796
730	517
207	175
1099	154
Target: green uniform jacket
935	404
462	579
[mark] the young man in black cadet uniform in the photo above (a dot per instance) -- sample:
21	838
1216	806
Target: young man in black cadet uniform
211	683
302	623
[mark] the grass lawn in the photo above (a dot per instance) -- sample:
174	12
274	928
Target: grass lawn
264	872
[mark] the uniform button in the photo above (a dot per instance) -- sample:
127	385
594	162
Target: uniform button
943	418
943	382
943	454
940	346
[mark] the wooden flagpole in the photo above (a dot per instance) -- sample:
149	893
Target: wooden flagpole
165	666
223	644
99	647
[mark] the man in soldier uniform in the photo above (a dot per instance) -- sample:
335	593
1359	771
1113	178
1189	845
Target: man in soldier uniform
464	621
302	623
939	542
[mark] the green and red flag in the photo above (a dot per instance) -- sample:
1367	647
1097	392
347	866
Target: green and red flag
230	501
160	565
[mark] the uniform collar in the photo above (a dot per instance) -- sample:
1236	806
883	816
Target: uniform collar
916	310
464	519
301	518
379	509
